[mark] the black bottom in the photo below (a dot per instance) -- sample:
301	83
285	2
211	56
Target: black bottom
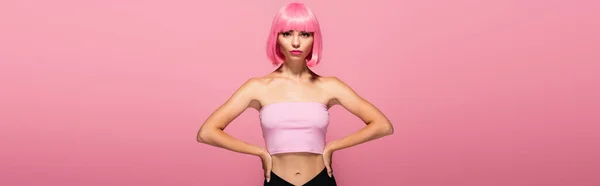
322	179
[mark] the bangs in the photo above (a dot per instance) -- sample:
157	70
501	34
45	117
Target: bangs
298	24
296	18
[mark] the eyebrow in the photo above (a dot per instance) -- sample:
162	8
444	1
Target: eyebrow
302	32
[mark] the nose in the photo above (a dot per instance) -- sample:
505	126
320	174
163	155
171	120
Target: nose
296	42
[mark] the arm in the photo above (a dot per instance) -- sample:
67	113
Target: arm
377	124
211	132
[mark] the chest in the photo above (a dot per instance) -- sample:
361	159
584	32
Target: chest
294	92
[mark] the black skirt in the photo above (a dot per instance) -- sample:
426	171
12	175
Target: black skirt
322	179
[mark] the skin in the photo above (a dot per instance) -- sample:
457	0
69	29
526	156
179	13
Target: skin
288	84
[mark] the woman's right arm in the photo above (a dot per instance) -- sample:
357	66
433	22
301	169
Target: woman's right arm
211	132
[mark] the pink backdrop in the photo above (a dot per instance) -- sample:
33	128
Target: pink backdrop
490	93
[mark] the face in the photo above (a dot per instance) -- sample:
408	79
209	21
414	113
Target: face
295	45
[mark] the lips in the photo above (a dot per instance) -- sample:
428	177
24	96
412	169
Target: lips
296	52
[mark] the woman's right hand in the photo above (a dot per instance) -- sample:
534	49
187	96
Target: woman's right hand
267	164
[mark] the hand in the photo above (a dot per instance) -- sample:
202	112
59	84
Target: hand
267	164
327	156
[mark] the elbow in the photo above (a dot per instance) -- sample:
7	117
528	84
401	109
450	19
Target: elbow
203	136
200	137
387	128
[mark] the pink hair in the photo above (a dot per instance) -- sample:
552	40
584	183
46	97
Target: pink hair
295	16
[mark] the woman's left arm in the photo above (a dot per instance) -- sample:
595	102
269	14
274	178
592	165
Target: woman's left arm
377	124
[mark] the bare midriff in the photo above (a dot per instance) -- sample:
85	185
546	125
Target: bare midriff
297	168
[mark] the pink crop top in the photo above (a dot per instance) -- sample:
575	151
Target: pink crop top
294	126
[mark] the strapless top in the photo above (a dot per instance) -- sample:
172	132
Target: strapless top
294	126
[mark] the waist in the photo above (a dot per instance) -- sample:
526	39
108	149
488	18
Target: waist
292	163
294	141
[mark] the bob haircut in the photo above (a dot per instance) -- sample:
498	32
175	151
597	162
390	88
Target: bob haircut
294	16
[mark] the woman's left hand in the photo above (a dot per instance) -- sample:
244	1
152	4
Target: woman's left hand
327	155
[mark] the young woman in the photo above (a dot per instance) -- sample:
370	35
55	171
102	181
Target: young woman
293	104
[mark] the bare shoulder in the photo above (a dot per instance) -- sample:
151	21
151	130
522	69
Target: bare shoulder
250	86
260	84
335	85
252	89
329	80
337	89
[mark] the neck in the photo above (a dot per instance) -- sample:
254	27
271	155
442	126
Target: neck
294	69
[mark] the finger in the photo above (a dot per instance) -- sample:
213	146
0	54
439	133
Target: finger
329	171
268	175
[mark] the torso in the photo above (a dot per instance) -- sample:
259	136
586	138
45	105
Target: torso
296	167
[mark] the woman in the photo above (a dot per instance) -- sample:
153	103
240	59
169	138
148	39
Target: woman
293	104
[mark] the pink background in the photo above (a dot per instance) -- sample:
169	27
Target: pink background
480	92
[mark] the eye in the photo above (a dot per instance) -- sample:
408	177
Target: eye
306	34
285	34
